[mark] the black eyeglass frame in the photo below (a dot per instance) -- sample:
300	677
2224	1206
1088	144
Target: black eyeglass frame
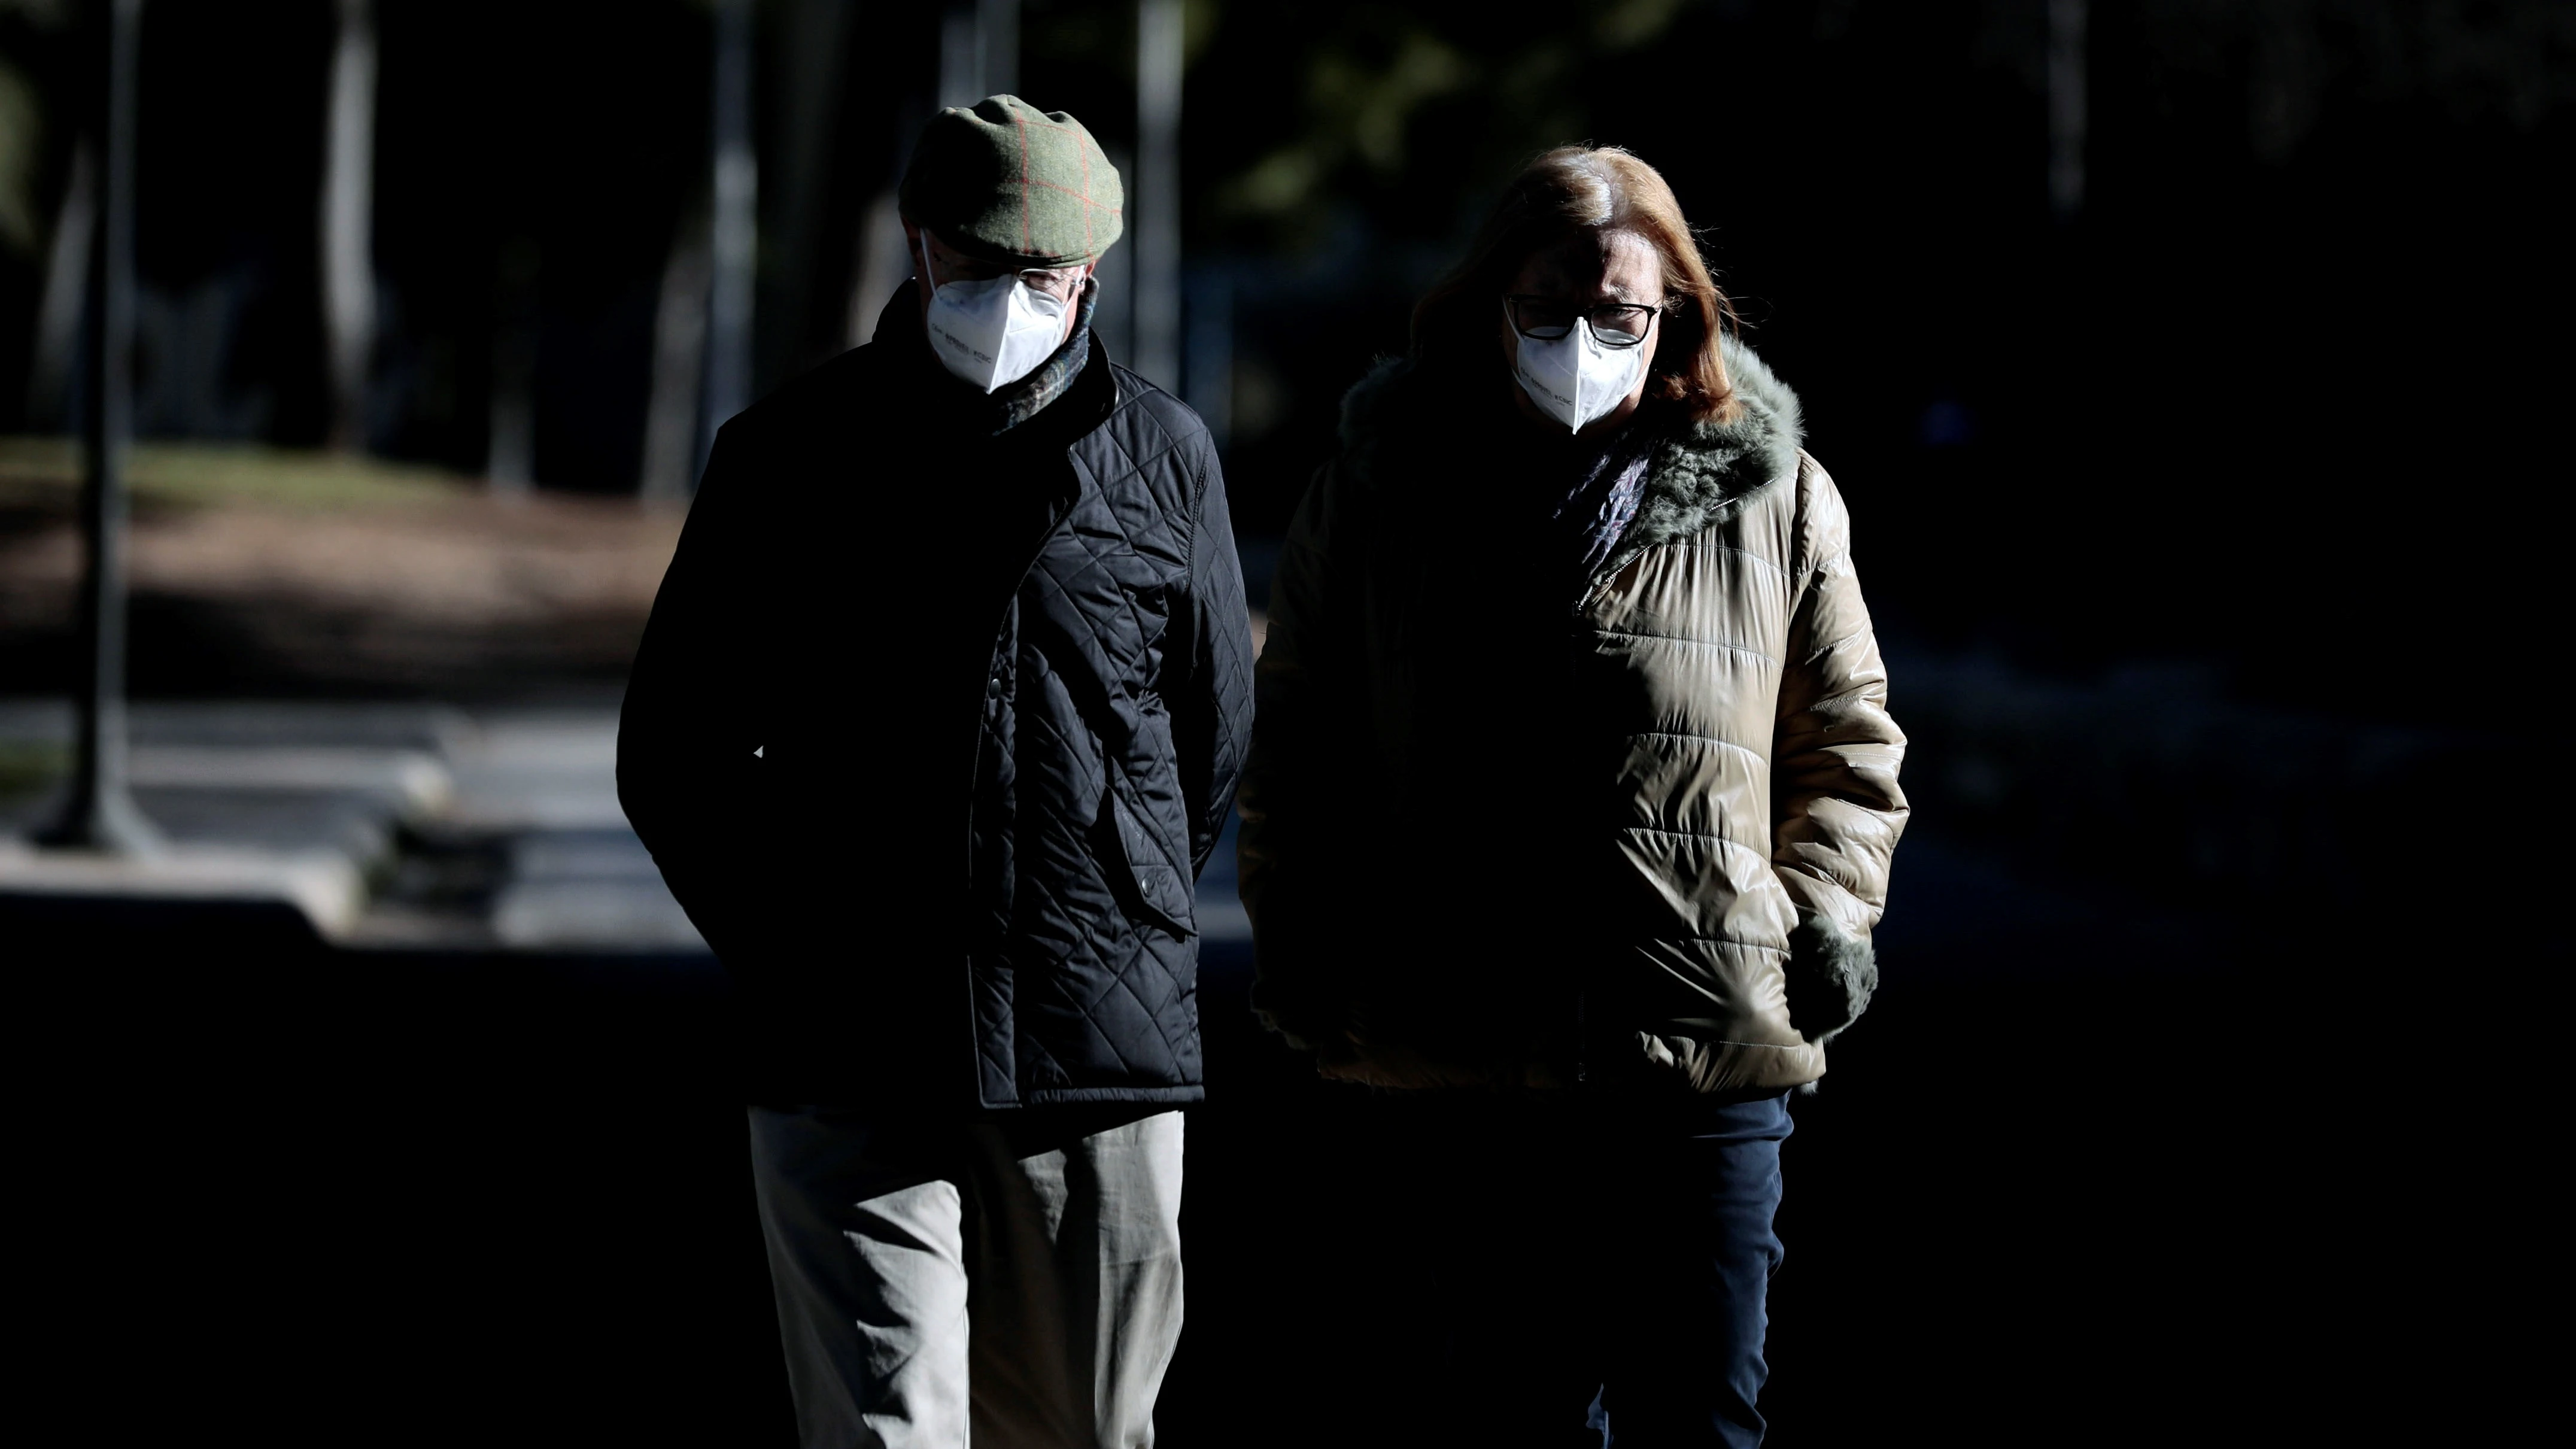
1609	336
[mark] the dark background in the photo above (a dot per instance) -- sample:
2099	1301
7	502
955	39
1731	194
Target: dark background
2206	524
2306	300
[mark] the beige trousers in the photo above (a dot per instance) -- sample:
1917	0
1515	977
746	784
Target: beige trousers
1009	1287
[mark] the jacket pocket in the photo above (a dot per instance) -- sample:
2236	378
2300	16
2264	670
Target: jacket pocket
1149	883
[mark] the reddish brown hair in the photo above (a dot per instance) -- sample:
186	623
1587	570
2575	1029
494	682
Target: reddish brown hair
1586	188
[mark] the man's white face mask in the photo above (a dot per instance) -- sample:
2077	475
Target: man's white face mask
1577	378
993	332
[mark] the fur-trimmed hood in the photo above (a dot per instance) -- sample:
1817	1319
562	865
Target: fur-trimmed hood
1700	475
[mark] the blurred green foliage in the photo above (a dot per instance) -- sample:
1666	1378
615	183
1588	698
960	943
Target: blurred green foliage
1301	113
23	132
19	140
46	472
1411	113
28	766
1414	113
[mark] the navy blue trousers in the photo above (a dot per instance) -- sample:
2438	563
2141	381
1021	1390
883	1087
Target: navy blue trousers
1598	1268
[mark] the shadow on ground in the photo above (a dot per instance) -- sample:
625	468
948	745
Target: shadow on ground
2084	1175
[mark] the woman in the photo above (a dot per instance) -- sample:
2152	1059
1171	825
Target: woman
1573	784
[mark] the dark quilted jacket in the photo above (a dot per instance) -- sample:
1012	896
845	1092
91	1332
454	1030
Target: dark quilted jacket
932	730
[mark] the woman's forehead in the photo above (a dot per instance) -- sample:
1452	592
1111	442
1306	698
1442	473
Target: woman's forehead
1618	264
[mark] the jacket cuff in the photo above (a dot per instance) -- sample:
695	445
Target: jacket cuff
1833	972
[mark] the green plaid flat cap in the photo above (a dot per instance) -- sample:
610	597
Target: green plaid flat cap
1004	178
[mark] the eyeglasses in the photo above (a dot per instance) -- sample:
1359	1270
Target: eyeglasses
954	266
1617	324
1056	281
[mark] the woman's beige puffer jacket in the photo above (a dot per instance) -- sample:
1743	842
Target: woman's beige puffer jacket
1699	909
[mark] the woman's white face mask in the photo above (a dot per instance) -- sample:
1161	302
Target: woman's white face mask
1577	379
992	332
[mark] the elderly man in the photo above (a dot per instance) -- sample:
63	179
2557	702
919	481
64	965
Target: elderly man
937	718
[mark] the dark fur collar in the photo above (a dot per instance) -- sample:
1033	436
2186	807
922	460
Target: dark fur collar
1700	475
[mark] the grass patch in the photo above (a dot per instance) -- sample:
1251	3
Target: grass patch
29	766
47	470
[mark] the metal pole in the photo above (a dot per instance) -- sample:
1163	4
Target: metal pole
1158	191
101	815
736	223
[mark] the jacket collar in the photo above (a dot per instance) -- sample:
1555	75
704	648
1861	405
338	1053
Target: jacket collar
1707	472
1073	409
1700	474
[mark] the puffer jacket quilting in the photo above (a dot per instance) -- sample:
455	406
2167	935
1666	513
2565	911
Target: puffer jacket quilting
1729	833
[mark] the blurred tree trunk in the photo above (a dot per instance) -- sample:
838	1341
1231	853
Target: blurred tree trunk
348	233
734	226
1157	192
1207	378
679	362
979	50
2066	107
53	393
1113	319
510	463
997	48
979	55
812	43
882	265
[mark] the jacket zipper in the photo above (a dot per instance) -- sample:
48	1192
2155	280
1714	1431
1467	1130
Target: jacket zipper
993	666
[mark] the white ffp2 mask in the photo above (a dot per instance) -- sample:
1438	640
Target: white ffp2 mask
994	332
1576	379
